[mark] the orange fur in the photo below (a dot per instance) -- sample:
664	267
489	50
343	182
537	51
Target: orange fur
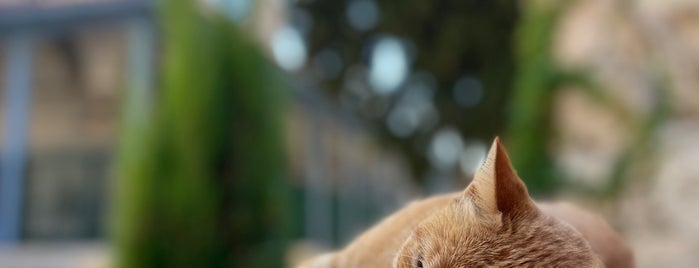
493	223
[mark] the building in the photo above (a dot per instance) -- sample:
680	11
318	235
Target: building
72	69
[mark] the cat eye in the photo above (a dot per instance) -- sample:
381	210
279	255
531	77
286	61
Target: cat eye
418	264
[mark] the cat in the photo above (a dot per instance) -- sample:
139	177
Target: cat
493	223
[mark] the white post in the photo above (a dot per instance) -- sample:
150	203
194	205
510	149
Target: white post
18	75
139	72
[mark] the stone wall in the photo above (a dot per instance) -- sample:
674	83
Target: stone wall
645	57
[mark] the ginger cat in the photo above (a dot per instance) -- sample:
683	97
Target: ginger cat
493	223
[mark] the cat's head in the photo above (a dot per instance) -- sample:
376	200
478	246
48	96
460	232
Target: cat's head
494	223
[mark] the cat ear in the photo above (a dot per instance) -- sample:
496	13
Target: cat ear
496	188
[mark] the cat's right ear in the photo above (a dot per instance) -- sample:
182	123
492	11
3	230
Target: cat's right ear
496	188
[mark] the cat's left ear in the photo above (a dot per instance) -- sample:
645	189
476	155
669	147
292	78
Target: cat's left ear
496	188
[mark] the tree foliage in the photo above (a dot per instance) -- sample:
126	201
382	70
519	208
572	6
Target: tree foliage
203	184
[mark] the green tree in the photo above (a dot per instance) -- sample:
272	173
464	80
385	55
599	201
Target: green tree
203	184
451	39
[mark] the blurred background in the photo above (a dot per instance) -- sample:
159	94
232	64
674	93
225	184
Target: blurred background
256	133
